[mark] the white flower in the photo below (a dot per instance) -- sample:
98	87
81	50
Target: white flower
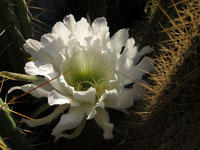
90	72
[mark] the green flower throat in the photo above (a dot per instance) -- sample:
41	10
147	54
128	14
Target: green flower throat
85	73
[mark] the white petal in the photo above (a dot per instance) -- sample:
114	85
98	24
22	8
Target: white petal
124	67
70	22
110	98
47	70
113	83
139	91
63	83
45	120
145	50
145	65
69	121
91	110
52	43
119	40
118	101
32	47
101	31
39	92
53	49
48	38
74	134
99	23
82	28
130	50
73	47
85	96
125	99
56	98
36	49
57	83
102	119
38	68
14	88
42	91
61	30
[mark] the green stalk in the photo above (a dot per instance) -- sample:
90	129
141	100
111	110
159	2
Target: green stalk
8	130
19	77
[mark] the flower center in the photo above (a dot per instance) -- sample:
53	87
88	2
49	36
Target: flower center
87	70
82	81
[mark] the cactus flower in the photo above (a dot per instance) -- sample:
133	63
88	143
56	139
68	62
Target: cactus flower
94	70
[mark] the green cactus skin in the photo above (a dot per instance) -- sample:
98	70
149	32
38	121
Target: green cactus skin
9	131
10	20
3	146
14	17
25	23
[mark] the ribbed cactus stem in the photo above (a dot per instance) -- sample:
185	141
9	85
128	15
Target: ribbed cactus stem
14	17
25	23
10	21
8	130
8	47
